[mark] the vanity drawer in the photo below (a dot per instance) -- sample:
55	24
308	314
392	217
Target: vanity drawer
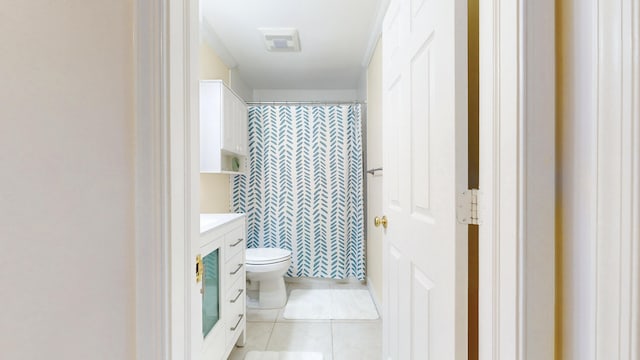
236	320
235	241
236	292
234	269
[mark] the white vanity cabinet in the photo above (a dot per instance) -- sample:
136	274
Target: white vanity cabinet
226	234
223	129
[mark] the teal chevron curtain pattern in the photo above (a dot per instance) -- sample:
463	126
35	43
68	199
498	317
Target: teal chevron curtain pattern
303	191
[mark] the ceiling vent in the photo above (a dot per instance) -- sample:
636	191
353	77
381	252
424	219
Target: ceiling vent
281	40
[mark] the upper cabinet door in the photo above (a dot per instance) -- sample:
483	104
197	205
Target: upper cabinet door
241	128
223	129
228	123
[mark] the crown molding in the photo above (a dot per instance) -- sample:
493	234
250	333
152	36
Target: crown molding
376	31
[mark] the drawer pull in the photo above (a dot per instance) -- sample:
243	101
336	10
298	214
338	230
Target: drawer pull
237	296
238	323
236	243
236	270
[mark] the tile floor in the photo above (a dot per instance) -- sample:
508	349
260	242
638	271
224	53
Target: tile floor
268	330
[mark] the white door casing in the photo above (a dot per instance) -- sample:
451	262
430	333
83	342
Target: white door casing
517	178
192	175
617	181
152	235
498	250
166	188
425	163
167	167
600	171
183	202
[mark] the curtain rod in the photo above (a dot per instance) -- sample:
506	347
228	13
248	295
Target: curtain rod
306	103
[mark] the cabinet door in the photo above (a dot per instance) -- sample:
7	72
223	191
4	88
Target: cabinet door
241	127
210	298
228	131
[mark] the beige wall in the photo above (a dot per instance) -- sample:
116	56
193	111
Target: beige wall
67	180
214	188
374	160
211	66
214	193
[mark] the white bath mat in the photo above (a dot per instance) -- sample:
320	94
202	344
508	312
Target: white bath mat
282	355
337	304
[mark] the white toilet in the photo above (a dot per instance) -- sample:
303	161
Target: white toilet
267	267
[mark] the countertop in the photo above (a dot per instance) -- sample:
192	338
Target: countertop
211	221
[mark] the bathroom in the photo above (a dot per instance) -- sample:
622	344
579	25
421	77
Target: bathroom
321	98
101	181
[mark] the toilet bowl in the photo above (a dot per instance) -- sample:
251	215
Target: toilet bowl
267	266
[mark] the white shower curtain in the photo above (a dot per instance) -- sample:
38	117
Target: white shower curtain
303	190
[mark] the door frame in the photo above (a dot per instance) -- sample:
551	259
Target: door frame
517	180
600	197
162	144
167	175
152	313
507	330
517	46
616	185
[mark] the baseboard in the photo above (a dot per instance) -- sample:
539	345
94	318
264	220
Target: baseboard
373	293
312	280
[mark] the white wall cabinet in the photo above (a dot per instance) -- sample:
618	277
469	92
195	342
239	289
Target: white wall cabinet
223	129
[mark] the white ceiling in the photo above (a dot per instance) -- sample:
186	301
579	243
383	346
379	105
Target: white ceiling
336	37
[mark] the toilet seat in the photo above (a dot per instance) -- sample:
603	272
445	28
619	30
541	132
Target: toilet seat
267	256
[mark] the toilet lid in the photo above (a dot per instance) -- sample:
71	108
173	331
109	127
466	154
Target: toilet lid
267	255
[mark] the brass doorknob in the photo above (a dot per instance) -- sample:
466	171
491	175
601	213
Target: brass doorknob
377	221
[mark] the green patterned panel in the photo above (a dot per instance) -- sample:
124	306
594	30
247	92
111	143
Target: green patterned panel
211	293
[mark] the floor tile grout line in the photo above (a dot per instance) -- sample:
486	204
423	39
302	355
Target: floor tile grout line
273	328
333	352
331	322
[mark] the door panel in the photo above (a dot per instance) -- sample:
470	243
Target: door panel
420	135
393	38
425	250
392	180
420	292
393	301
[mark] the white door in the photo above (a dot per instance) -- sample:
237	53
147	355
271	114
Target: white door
425	166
